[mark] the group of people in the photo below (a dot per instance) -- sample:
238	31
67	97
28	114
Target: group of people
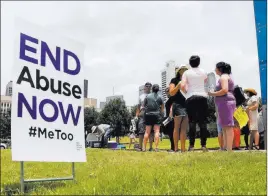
187	106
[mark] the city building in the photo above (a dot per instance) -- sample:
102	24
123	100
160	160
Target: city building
110	98
102	104
6	103
9	89
85	88
90	102
166	75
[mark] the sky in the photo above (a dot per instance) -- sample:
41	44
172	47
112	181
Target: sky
128	43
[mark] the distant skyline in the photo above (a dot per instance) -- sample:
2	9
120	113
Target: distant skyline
128	43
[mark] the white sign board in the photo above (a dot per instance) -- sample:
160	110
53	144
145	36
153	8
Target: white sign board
47	102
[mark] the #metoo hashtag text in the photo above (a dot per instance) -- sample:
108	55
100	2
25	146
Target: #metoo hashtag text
55	134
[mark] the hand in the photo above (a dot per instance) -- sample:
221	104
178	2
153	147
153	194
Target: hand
210	93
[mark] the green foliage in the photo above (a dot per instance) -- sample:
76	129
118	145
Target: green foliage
5	125
90	118
211	110
133	110
115	113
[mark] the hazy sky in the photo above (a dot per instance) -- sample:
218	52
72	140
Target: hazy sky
128	43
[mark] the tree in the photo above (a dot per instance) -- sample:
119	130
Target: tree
5	125
211	110
133	111
90	118
115	113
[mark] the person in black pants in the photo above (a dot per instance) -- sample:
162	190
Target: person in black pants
193	84
170	126
245	130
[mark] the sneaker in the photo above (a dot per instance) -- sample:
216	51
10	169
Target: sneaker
138	149
170	151
151	149
204	149
156	150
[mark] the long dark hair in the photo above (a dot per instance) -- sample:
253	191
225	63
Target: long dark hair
178	76
224	68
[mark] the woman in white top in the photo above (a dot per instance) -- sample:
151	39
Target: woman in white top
252	110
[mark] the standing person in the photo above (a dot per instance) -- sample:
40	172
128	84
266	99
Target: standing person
225	102
170	126
193	84
178	109
245	130
252	110
140	116
154	109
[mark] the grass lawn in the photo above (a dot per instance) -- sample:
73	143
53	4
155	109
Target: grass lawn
165	143
129	172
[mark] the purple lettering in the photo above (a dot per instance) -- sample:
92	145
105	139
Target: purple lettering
41	110
65	117
66	69
22	101
24	48
46	51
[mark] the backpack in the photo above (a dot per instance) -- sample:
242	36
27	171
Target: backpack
239	96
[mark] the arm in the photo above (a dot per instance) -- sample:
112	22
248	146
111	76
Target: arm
138	111
183	83
224	85
138	108
254	106
174	89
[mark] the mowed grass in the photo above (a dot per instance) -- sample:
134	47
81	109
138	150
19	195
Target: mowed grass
212	143
123	172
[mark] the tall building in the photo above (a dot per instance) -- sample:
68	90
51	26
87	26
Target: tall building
6	103
90	102
110	98
166	75
85	88
9	89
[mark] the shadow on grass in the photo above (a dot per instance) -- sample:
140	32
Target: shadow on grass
12	189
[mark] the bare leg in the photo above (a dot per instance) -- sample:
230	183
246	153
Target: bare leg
156	134
220	139
177	121
229	137
146	136
224	138
183	128
254	135
151	140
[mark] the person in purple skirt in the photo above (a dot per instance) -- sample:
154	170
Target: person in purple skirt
225	102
